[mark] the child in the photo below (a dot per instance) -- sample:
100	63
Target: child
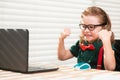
96	31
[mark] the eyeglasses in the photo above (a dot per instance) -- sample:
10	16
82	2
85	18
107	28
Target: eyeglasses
91	27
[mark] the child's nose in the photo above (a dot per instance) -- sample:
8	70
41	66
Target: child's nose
86	29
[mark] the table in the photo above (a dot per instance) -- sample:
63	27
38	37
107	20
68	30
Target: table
63	73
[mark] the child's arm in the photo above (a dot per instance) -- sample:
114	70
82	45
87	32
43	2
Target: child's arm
109	58
63	54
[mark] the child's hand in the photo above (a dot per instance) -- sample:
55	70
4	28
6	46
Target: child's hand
65	33
105	35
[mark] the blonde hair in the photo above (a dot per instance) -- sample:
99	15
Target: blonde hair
103	18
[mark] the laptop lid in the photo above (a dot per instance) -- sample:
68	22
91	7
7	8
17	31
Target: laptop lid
14	49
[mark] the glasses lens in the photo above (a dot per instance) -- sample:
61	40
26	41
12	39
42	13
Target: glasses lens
82	26
91	27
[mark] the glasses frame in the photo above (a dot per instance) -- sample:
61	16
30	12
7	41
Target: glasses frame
89	26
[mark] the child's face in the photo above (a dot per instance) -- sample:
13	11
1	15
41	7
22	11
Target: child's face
91	33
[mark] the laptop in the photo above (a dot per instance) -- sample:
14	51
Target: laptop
14	52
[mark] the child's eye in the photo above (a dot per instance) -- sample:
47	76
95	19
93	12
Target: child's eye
91	27
85	26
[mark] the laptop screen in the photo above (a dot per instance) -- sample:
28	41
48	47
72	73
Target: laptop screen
14	49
